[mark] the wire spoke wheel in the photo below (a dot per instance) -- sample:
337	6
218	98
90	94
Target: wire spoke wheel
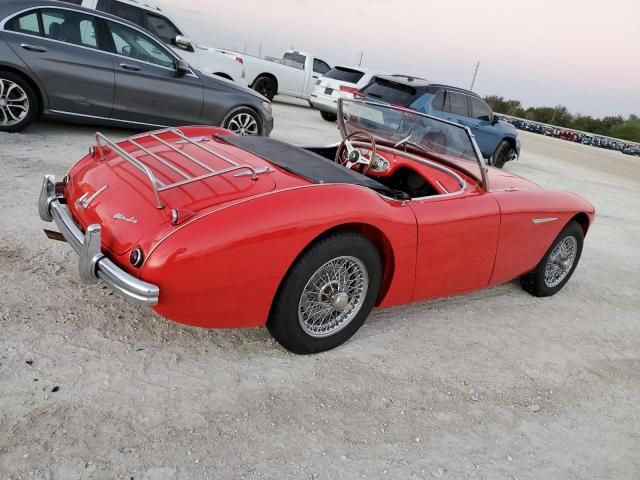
14	103
243	124
333	296
561	261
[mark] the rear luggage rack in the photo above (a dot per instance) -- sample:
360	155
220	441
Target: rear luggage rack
158	186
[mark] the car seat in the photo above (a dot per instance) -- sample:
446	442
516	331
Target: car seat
55	31
70	32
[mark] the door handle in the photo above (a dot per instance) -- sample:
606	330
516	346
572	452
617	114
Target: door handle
132	68
33	48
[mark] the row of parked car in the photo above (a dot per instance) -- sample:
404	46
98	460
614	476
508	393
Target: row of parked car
125	63
575	136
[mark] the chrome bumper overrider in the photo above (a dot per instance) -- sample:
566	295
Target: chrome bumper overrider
93	264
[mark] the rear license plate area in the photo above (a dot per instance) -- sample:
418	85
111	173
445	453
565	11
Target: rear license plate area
328	91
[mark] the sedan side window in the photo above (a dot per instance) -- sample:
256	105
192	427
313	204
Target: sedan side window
25	23
480	110
459	105
133	44
69	27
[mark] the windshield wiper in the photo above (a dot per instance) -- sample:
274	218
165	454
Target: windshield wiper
419	147
406	141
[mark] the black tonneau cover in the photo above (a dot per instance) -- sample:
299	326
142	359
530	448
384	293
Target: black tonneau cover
304	163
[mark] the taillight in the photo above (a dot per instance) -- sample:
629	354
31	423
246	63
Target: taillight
136	257
352	90
317	82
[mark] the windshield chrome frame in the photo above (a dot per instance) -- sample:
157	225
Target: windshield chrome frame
484	180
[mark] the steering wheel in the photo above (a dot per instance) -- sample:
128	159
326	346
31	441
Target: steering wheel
353	155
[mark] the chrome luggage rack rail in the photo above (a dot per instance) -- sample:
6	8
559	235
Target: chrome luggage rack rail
156	185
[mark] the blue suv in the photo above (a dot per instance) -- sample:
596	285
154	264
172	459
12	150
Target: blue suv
498	140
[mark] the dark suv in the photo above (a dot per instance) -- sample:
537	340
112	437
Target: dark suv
498	140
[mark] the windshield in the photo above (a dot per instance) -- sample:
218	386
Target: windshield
413	130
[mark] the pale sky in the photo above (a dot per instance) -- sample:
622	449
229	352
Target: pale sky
580	53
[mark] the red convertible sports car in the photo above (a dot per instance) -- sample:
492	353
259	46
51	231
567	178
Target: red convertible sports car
217	230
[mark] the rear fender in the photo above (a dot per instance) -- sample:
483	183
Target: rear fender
223	269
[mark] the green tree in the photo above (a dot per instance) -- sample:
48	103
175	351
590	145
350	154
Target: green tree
629	130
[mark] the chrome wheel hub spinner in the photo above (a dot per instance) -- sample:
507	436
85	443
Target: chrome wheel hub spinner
560	262
333	296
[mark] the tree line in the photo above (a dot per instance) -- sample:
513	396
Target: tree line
611	126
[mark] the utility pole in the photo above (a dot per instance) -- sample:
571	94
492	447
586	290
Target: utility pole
361	56
475	74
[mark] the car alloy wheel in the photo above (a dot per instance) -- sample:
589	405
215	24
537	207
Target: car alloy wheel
333	296
14	103
560	261
243	124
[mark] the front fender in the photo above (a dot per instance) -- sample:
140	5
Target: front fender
223	269
530	222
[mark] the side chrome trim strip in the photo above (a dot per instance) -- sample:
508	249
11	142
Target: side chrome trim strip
62	112
538	221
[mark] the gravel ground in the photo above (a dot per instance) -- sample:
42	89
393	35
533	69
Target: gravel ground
495	384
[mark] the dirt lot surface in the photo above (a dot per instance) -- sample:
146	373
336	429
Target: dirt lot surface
496	384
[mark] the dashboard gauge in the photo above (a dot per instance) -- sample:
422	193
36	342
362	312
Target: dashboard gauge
380	164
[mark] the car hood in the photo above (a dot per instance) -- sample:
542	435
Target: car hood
213	82
500	180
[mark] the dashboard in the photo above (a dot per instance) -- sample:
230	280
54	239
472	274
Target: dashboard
417	179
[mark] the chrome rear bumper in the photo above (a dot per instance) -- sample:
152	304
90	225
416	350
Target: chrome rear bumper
94	264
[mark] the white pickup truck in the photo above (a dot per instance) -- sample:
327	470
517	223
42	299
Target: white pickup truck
295	74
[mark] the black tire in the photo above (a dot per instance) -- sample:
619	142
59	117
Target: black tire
503	154
234	121
535	282
329	117
7	114
266	86
284	322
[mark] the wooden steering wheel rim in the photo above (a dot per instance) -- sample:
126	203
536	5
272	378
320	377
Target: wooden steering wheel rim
355	133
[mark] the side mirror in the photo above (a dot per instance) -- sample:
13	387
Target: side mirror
495	120
182	67
183	42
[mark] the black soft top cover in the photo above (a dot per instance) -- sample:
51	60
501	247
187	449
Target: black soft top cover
304	163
